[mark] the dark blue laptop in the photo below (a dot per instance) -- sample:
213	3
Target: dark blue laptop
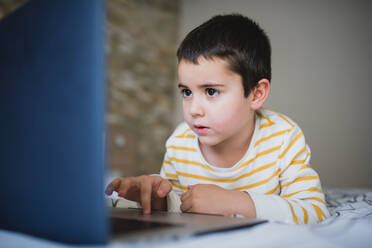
52	100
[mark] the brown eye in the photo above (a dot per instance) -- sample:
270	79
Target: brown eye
186	92
211	92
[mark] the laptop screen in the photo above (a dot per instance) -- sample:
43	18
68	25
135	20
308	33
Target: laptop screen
52	104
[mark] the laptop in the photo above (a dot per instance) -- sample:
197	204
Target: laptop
52	145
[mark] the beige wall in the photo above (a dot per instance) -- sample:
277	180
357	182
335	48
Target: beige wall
321	65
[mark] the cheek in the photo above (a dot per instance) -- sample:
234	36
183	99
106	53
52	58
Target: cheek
223	121
228	118
185	110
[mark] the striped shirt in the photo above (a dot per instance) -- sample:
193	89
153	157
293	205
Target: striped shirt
275	170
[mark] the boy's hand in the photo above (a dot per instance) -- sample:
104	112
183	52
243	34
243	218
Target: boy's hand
204	198
212	199
147	190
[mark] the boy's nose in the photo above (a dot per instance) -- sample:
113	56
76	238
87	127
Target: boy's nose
196	109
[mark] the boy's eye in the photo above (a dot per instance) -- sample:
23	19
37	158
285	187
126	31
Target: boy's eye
211	92
186	92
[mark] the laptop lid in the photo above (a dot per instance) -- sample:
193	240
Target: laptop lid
52	102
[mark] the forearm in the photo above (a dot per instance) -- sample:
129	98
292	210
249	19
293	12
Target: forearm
241	203
289	210
212	199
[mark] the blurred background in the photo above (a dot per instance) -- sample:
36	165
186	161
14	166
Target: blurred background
321	64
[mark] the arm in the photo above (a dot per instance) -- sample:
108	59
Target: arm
168	172
212	199
300	199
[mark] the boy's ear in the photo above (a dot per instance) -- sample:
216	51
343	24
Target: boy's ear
260	93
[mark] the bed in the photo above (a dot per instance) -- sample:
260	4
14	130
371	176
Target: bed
350	225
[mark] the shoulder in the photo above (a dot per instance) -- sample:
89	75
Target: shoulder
274	124
275	120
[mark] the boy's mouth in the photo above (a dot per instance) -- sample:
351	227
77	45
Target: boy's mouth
201	129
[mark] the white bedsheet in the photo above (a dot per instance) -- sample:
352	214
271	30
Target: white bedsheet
349	226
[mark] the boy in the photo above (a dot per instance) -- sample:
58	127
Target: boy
231	156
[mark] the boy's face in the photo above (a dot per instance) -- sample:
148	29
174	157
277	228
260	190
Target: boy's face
214	105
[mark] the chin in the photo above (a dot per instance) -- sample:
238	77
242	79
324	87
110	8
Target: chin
208	141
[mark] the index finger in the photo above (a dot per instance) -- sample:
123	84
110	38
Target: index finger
146	189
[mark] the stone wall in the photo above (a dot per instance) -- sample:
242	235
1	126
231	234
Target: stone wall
142	39
8	6
140	46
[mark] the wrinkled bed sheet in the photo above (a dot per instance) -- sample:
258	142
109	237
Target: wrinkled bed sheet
350	225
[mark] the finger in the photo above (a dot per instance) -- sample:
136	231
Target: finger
186	206
113	186
164	188
188	193
190	187
185	196
126	184
146	188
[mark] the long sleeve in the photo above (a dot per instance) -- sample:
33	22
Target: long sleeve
168	172
301	199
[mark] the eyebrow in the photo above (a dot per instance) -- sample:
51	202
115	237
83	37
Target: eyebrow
208	85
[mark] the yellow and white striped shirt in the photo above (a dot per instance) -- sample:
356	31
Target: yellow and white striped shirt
275	170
